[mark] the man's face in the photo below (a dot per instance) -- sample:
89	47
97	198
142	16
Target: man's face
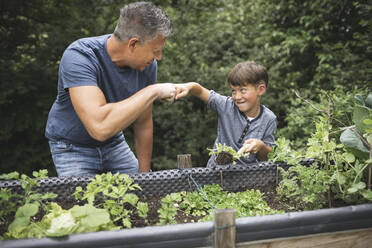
247	98
144	54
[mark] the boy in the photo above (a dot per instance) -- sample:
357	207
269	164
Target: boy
243	120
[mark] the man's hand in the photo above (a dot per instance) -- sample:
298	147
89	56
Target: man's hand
166	91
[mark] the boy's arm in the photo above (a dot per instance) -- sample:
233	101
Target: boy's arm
194	89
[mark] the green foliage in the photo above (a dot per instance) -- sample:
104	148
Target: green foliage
342	169
306	45
58	222
283	152
112	193
33	38
168	209
28	204
301	118
304	186
357	138
222	148
246	203
8	204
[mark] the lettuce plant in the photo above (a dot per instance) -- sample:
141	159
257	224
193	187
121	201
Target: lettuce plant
113	192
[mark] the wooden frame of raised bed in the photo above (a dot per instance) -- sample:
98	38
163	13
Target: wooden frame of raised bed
349	226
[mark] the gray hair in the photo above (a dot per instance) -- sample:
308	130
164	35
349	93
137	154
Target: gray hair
144	21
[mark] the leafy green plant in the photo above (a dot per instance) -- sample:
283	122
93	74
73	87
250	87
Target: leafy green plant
226	153
8	204
168	209
58	222
27	205
246	203
283	152
194	204
333	162
358	141
304	186
111	192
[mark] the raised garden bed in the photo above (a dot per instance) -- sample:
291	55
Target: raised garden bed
354	222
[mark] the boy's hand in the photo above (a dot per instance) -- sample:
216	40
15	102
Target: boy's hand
192	88
253	145
258	147
182	90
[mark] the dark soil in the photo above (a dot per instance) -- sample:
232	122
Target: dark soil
154	204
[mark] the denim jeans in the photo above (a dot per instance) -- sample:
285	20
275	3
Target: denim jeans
74	160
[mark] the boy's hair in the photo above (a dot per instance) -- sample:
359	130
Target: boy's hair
144	21
248	72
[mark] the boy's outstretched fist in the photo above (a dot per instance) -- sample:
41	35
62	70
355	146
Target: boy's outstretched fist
192	88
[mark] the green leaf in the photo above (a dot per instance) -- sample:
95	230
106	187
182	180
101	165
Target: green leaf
132	199
367	194
22	217
90	216
20	222
367	121
126	223
9	176
359	99
341	178
356	187
349	157
27	210
359	115
142	208
368	101
62	225
360	185
351	140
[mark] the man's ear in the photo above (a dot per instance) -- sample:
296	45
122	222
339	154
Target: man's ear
132	43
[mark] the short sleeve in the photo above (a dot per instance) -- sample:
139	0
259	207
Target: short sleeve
77	69
269	135
218	103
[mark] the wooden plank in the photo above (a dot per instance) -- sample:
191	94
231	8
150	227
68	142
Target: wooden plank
347	239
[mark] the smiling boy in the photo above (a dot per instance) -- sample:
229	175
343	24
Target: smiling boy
242	119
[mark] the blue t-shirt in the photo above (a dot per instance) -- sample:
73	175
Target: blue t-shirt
232	122
86	62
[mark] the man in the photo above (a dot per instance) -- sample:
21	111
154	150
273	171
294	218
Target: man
105	84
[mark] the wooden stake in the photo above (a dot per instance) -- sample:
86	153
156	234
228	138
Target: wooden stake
221	178
184	161
370	168
224	229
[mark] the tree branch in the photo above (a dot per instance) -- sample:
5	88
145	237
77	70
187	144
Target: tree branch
309	103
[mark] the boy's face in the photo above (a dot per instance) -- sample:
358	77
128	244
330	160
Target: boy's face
247	98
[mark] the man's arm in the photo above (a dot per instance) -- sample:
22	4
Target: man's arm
143	137
103	120
194	89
